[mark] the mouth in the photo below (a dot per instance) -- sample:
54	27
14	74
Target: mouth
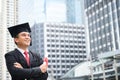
27	41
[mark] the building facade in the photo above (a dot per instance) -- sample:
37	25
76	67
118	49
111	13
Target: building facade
75	11
104	31
8	17
103	23
63	43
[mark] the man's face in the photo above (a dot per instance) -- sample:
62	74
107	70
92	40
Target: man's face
23	39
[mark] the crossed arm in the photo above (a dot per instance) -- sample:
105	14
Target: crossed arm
42	67
17	70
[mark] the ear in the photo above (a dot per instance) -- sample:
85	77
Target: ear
31	41
16	40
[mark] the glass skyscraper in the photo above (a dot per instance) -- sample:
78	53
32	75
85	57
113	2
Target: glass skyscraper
104	25
75	11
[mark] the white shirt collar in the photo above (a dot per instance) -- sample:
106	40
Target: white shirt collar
22	51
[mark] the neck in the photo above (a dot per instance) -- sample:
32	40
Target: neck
24	48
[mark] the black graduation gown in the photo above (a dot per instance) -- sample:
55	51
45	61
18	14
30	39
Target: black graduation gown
31	72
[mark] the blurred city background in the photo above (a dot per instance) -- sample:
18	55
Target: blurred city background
80	37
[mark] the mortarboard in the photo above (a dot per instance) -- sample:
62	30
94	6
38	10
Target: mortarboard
15	30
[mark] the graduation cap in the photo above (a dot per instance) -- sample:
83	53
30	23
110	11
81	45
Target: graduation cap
15	30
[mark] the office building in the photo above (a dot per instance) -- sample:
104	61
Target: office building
75	12
63	43
103	23
104	31
8	17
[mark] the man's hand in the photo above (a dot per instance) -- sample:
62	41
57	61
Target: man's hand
46	60
43	67
17	65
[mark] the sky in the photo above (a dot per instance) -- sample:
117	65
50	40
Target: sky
33	11
56	11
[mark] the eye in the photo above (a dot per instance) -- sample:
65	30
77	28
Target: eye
28	35
23	35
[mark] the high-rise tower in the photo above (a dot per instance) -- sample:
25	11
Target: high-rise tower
64	43
75	11
8	17
103	24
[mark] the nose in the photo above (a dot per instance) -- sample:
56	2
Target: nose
28	36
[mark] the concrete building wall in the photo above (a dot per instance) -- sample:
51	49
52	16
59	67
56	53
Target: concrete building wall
63	43
8	17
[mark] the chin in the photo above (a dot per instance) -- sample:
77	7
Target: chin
27	44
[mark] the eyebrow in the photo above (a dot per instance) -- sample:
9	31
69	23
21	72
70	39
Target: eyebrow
25	33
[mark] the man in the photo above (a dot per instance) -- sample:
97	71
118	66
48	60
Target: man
23	64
